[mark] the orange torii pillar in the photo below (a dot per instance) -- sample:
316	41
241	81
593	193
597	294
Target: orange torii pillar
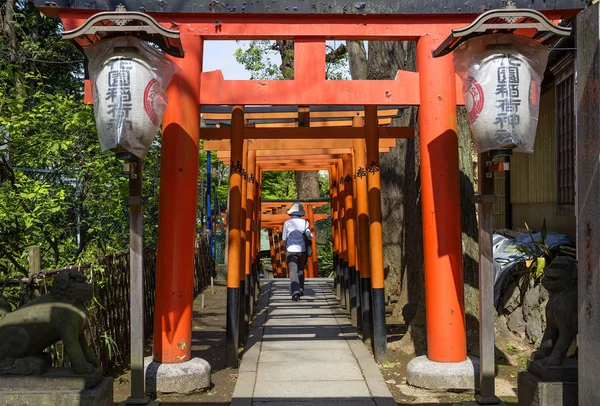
350	237
364	264
313	260
272	249
250	237
277	248
342	236
257	231
309	273
177	218
244	260
334	232
357	122
284	267
376	234
234	258
282	256
440	203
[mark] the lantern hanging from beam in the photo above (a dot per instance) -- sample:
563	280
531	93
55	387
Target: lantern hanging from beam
502	74
129	78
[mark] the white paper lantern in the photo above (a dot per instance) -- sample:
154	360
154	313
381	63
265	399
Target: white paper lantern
501	77
498	101
129	94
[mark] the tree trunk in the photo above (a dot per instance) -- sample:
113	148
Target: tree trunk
357	60
307	185
8	29
286	51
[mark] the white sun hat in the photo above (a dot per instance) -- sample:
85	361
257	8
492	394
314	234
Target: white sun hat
296	210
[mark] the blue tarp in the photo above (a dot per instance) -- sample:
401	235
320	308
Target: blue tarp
507	255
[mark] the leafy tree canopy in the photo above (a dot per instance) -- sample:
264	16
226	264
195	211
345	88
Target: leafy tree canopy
57	189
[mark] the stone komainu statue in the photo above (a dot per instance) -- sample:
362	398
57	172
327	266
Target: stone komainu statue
560	279
58	315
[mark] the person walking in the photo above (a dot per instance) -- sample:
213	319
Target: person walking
296	234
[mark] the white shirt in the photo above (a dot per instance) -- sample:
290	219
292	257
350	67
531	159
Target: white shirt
292	234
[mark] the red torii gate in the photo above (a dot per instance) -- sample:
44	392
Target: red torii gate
433	88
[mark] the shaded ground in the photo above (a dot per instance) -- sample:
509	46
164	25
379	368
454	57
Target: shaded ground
208	342
394	373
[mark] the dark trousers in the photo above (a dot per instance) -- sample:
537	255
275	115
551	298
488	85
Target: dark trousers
296	262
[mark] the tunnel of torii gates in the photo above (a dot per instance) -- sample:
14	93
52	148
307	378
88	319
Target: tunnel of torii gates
272	216
309	24
346	167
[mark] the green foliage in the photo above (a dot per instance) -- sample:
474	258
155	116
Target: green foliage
111	347
324	187
279	185
337	67
57	189
56	180
325	260
536	255
257	59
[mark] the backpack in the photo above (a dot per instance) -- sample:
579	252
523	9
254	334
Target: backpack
307	242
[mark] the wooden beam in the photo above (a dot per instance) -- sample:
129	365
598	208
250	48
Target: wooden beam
306	153
349	114
390	21
278	168
281	218
284	144
298	158
309	133
215	90
318	124
303	116
288	204
404	90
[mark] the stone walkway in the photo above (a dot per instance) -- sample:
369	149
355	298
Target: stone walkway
306	352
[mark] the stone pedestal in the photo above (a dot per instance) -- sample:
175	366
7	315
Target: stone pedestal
182	378
58	386
424	373
548	386
221	271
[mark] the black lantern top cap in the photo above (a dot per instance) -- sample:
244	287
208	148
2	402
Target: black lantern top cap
505	21
110	24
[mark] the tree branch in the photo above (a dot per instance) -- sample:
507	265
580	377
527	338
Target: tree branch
336	54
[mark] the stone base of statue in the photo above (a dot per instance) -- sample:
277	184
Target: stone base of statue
544	385
58	386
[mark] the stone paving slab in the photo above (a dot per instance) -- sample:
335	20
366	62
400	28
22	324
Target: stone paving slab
271	344
312	389
307	353
325	322
310	371
327	402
